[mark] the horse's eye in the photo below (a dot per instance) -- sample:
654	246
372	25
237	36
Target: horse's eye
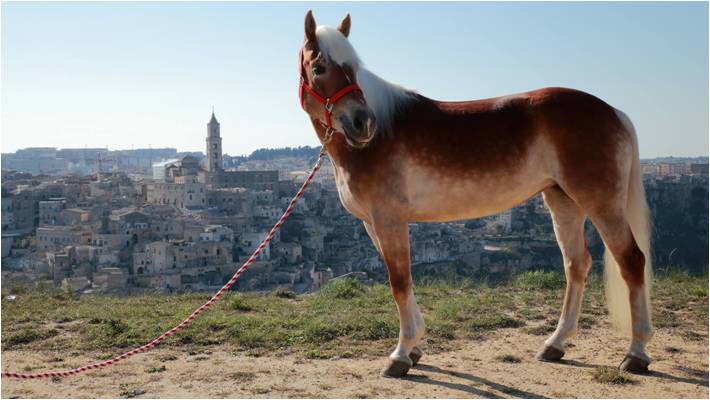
318	70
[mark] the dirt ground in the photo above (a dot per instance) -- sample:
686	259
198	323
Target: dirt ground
680	370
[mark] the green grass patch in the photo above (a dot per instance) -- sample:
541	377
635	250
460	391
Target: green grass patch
153	370
28	335
534	280
347	288
699	291
240	303
492	322
344	315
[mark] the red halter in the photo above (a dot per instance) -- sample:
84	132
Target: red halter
328	102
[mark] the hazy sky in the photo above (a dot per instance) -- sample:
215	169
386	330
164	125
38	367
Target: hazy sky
128	75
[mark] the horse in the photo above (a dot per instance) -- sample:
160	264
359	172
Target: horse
400	157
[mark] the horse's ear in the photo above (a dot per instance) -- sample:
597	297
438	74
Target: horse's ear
344	27
310	26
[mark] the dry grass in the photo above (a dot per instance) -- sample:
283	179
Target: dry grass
508	358
611	376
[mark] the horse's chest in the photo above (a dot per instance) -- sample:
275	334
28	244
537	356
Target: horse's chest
349	195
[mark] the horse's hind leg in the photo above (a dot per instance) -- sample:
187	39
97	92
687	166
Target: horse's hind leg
568	222
619	239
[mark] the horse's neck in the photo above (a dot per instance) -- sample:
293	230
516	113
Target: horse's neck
415	111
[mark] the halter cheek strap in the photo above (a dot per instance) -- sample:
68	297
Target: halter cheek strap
327	102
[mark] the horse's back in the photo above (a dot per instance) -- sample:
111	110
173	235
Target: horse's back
508	148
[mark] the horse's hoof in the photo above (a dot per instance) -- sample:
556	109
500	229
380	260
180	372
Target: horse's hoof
550	353
634	365
415	355
396	369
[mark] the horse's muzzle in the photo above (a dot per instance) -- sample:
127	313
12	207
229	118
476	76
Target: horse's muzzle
359	127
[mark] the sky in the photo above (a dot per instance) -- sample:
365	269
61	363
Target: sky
138	75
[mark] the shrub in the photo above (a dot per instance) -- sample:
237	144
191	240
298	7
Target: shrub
153	370
532	280
239	303
442	330
612	376
116	327
317	354
492	322
285	293
319	332
375	329
18	288
699	291
347	288
29	335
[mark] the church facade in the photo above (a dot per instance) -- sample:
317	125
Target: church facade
187	184
214	174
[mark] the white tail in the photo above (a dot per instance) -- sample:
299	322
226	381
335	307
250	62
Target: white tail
638	216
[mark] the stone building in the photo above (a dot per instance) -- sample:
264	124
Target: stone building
261	180
50	211
233	201
54	237
163	256
185	193
75	216
217	233
110	279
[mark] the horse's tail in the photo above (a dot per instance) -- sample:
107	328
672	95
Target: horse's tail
638	217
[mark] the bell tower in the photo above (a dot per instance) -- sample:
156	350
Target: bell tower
214	146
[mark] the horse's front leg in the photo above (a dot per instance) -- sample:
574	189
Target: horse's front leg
393	239
416	354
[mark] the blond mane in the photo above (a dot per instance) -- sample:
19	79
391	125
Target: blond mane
383	97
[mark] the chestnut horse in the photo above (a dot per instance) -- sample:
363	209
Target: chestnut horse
400	157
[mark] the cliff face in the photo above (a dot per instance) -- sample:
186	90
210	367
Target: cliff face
679	210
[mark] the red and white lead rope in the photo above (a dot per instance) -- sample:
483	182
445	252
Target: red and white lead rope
196	313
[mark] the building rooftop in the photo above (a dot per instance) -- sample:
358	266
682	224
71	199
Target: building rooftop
166	162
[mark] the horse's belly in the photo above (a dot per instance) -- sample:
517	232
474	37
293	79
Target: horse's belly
436	196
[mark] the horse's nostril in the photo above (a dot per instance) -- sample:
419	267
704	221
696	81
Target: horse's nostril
360	120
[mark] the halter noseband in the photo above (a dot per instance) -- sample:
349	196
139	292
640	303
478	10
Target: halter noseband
327	102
